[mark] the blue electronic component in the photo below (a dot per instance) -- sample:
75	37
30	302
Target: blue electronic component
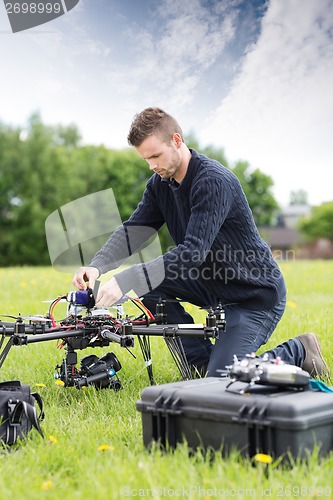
81	298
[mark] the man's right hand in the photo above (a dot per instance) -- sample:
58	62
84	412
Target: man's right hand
85	275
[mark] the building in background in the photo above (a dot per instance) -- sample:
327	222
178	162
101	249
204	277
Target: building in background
287	242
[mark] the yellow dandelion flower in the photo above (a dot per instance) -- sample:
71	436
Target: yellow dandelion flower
60	382
46	485
40	385
52	439
290	303
263	458
105	447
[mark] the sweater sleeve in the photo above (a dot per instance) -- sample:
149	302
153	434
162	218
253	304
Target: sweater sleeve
129	237
210	203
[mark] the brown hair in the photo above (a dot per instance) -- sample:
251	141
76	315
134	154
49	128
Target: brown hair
153	121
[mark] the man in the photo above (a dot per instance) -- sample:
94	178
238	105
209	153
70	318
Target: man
218	256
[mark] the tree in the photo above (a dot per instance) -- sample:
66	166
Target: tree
68	136
320	223
45	167
257	188
9	171
36	178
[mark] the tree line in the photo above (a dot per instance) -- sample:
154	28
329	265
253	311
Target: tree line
41	169
44	167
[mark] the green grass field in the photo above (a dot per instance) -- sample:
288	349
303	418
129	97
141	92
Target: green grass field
93	439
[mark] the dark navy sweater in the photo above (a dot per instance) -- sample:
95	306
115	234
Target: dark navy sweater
216	239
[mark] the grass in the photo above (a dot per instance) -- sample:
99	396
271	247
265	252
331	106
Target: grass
93	445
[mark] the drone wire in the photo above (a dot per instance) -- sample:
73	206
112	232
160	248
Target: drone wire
144	342
177	351
3	336
143	308
5	351
140	320
51	309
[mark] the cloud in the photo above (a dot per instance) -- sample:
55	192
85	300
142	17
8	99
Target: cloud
160	54
193	34
252	77
279	112
182	39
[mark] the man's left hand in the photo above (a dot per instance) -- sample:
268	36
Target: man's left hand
109	294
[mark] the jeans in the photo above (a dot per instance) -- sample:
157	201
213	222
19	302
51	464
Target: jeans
246	329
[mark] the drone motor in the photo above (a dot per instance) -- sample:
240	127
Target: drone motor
81	298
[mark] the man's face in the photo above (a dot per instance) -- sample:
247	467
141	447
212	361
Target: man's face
162	158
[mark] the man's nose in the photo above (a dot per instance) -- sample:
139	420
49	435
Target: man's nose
152	164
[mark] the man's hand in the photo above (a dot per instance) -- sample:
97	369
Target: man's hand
109	294
84	275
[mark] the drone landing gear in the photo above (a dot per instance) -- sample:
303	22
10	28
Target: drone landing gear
176	349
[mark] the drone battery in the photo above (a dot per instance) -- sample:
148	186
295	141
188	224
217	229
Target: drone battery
206	413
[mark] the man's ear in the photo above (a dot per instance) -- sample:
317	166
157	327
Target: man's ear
177	139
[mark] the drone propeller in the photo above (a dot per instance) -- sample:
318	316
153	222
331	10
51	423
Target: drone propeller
180	301
35	319
218	306
10	316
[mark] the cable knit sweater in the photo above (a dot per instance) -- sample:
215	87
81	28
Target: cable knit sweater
216	239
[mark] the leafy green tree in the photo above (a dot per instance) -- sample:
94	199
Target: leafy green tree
68	136
257	188
320	223
36	179
9	172
129	177
43	168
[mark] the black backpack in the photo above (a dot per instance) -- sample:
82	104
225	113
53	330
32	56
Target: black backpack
17	411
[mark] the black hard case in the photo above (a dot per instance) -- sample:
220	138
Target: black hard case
262	420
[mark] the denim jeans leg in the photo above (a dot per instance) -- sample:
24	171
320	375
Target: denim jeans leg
291	352
246	331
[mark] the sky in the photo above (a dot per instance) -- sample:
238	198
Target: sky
253	77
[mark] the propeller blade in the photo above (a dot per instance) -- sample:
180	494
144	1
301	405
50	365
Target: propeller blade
37	319
9	316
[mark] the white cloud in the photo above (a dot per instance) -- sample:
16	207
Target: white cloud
180	54
279	113
107	74
174	52
167	58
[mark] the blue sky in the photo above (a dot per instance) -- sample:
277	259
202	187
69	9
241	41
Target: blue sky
251	76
